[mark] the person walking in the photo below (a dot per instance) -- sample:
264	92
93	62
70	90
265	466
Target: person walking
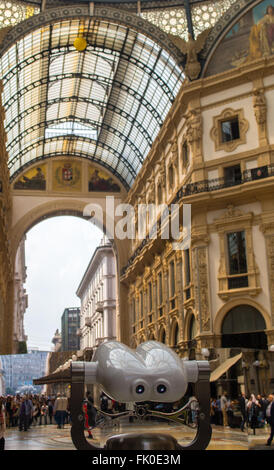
223	403
90	414
2	424
253	411
50	411
194	407
270	417
60	410
242	404
25	413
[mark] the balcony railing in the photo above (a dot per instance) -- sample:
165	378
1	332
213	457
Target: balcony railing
222	183
253	174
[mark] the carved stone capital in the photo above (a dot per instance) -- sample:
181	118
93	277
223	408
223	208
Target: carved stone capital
260	106
194	126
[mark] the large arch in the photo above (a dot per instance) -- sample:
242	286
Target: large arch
71	206
174	333
105	103
221	314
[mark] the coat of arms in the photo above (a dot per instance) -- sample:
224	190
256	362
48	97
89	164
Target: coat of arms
68	175
67	172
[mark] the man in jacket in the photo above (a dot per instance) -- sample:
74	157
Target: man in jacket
25	413
270	418
60	410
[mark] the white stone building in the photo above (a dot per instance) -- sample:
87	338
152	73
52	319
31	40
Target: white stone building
97	291
20	296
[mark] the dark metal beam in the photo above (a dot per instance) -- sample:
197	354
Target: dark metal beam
75	138
94	77
47	124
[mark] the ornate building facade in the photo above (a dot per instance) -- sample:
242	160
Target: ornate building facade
222	285
166	105
97	292
20	298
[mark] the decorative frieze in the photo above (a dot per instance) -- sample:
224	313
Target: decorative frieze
201	286
269	239
260	110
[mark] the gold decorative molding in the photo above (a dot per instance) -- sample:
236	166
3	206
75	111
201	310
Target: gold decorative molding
234	220
194	125
201	286
174	153
216	131
269	240
260	110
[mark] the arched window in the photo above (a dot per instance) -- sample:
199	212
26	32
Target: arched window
159	193
171	176
175	338
244	327
162	337
192	328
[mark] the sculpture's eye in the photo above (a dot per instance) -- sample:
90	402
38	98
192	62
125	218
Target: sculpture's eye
161	388
140	389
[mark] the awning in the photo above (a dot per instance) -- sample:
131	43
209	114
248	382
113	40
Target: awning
62	376
224	367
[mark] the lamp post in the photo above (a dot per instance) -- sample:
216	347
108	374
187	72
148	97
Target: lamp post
246	382
256	365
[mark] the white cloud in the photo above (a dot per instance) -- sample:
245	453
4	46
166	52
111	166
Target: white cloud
58	251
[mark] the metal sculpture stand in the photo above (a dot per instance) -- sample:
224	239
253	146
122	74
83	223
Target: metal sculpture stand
144	441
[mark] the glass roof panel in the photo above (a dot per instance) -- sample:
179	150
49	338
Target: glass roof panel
106	103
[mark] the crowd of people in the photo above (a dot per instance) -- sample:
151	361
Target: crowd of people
32	410
253	412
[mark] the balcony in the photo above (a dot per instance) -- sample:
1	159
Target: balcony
221	183
204	186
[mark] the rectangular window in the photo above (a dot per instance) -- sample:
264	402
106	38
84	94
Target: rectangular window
230	130
133	311
187	268
185	155
149	297
160	290
237	253
172	279
232	175
171	176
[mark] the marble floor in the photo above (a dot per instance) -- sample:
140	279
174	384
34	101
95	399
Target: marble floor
50	438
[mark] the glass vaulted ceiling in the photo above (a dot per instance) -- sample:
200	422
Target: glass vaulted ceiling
106	104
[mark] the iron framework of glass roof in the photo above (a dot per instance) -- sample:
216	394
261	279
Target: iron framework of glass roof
106	103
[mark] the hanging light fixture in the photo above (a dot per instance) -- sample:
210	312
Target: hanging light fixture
80	42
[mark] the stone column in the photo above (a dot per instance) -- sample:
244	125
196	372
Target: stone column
268	231
180	292
200	271
122	323
166	299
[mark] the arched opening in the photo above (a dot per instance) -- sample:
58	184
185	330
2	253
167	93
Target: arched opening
192	332
175	334
60	254
243	327
192	328
152	336
162	335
